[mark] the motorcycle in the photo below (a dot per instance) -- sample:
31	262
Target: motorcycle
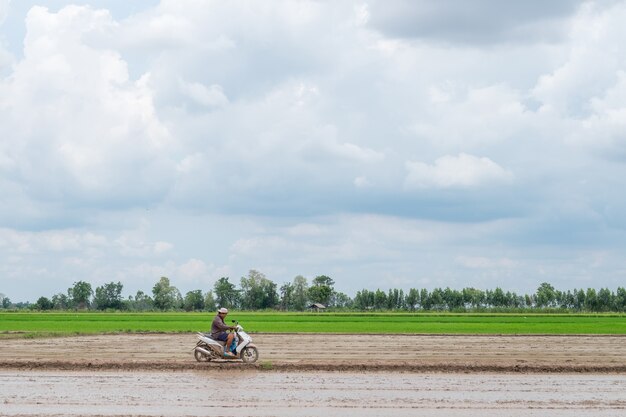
208	348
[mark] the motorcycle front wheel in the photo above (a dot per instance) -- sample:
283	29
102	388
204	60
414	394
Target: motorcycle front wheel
249	354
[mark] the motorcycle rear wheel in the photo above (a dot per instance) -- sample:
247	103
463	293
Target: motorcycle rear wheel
249	354
201	357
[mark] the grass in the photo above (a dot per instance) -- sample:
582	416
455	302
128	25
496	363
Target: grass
32	324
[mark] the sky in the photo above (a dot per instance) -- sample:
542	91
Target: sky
386	144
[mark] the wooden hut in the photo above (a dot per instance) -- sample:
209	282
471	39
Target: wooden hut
317	307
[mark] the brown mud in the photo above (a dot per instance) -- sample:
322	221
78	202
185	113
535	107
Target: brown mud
327	352
282	394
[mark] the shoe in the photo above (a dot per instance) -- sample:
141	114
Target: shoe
228	355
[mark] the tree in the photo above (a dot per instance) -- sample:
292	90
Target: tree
321	289
591	300
620	299
605	300
300	297
194	301
473	297
226	295
567	300
380	299
546	296
497	298
436	299
165	296
579	299
412	299
258	292
528	301
342	300
425	299
286	296
43	303
142	301
395	299
80	294
60	301
109	296
5	302
453	299
364	300
209	301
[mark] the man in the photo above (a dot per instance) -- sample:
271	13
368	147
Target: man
219	331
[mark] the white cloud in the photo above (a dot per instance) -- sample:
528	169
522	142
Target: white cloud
362	182
4	10
192	269
89	124
311	137
480	262
22	242
212	96
464	171
603	131
5	57
596	37
306	229
351	151
162	247
471	118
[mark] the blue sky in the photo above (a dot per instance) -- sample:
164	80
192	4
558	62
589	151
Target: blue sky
386	144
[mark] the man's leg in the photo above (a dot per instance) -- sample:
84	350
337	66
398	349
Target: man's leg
229	341
225	337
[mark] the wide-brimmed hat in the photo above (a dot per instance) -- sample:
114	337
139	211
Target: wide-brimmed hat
223	310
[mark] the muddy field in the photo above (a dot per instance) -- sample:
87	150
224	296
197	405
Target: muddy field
418	353
311	375
256	393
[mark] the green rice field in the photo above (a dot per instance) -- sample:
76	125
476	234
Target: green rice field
33	324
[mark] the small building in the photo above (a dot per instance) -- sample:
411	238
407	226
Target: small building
317	307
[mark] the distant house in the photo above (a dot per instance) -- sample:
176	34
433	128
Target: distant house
317	307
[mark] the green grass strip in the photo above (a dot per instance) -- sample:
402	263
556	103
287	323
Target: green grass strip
33	323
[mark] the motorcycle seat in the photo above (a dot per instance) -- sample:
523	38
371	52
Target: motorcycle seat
208	336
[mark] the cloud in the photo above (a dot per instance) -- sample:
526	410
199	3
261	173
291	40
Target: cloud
464	171
212	96
379	142
5	57
4	10
473	21
480	262
162	247
63	241
603	132
93	127
596	36
92	134
483	116
361	182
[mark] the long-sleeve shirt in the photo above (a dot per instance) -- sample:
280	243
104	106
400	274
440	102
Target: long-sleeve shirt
218	326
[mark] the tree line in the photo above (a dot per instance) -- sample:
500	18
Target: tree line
256	292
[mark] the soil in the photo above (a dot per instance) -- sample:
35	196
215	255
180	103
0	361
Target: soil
311	375
326	352
254	393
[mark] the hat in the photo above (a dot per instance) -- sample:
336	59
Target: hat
223	310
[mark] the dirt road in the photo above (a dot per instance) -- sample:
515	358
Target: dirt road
422	353
254	393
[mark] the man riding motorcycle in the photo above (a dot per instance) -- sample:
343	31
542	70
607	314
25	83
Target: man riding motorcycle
219	331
